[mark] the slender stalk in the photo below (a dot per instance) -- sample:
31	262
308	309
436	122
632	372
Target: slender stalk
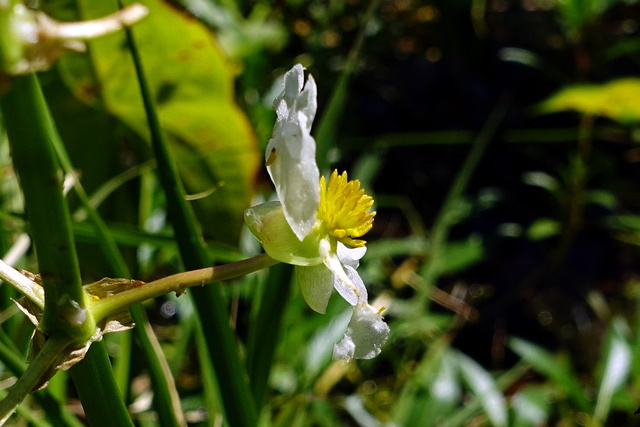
47	356
328	123
178	283
440	230
31	134
209	301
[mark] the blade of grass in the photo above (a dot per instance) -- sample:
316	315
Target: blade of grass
326	129
53	408
31	132
240	409
484	389
264	334
558	371
166	398
503	382
616	370
440	231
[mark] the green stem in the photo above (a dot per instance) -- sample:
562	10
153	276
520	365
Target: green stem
440	230
166	398
50	404
31	134
210	303
98	392
45	358
178	283
328	124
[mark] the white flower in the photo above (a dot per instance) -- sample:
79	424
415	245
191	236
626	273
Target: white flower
315	220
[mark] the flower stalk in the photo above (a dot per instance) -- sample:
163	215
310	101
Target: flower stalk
177	283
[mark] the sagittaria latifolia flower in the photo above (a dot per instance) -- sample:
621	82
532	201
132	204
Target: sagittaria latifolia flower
317	224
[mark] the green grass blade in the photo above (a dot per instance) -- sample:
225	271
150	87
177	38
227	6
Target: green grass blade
327	127
432	267
484	389
503	382
98	392
210	304
166	398
617	368
265	331
557	370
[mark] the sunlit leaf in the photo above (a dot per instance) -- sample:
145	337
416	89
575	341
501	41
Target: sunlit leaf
556	369
210	137
531	406
616	370
543	228
616	100
578	13
460	255
484	388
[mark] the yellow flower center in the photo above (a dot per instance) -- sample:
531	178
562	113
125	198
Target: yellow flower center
344	209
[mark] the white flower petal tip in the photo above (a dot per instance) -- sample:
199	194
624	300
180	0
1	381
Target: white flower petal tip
365	335
291	152
350	256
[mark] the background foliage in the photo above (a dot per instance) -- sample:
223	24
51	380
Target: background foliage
499	139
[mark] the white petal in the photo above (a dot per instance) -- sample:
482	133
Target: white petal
291	152
316	284
341	281
363	296
350	256
365	335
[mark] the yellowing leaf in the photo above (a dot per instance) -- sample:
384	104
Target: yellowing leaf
618	100
209	136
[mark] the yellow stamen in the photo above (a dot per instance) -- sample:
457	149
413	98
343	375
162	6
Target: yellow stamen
344	209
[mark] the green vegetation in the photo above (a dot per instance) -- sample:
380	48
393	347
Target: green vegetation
499	140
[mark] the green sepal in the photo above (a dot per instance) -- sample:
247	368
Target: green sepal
269	225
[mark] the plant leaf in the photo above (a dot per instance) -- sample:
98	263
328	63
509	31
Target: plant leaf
484	388
209	136
616	100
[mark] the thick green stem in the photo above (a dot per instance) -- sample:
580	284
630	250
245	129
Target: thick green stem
166	398
31	135
31	131
211	306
